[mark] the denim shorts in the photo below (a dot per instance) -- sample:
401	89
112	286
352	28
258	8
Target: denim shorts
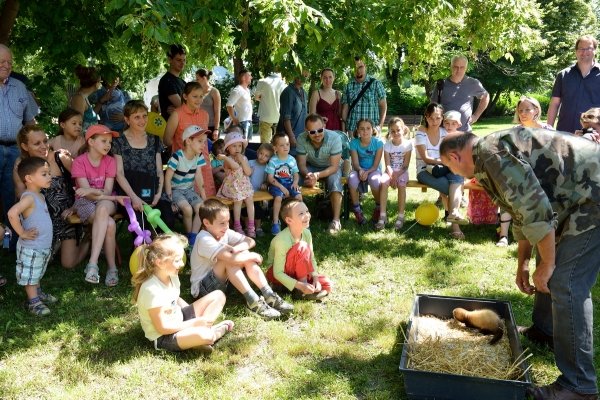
276	192
31	264
210	283
169	342
189	195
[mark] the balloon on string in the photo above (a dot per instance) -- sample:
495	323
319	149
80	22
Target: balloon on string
153	217
427	214
143	236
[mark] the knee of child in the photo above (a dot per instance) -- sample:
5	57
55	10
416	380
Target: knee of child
186	209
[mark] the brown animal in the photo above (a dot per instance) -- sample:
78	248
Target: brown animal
487	321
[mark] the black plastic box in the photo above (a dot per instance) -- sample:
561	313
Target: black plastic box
423	385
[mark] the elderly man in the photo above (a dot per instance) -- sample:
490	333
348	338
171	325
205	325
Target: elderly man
550	184
16	109
456	93
576	88
319	156
364	97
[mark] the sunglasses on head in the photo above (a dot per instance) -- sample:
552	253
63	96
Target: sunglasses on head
314	132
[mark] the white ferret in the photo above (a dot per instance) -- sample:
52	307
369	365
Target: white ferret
487	321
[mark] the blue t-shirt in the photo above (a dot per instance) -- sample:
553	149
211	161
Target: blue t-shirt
366	155
282	170
259	175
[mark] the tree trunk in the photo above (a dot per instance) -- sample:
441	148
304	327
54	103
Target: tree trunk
7	19
493	100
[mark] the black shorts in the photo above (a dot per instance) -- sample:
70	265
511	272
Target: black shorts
169	342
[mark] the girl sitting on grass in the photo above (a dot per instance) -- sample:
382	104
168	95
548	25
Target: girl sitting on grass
167	320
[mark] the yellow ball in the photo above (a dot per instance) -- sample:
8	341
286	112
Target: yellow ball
427	214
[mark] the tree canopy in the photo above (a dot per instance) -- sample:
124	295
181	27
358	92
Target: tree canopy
513	43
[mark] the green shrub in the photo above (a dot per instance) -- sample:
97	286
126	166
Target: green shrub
406	101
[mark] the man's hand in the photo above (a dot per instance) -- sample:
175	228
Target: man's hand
541	276
522	281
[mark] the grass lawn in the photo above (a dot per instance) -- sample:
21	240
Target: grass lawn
347	347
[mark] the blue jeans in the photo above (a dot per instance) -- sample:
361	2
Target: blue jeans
441	184
577	267
8	156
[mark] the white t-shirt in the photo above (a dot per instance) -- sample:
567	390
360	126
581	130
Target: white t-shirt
153	293
397	152
241	101
269	89
204	254
433	150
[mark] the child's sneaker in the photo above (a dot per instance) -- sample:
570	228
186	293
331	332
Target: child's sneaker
315	296
264	310
279	304
360	218
503	242
275	228
47	297
260	232
39	309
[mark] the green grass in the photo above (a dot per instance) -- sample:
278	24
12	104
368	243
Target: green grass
347	347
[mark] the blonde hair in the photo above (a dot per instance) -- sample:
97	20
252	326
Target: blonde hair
23	137
161	248
534	102
403	127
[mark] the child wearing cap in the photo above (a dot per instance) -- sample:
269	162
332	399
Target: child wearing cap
94	172
236	183
183	170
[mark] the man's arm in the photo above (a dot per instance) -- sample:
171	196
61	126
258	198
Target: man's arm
382	112
484	100
553	110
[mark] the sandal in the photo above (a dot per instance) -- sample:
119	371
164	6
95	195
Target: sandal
91	274
380	225
457	219
38	309
399	223
3	281
112	277
457	235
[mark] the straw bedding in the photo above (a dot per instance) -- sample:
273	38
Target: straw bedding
447	346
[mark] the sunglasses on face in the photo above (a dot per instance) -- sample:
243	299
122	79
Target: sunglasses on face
314	132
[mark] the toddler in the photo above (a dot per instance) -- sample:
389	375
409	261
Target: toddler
236	184
94	172
167	320
218	170
396	152
221	255
69	136
183	170
259	181
590	124
30	219
291	257
282	175
365	151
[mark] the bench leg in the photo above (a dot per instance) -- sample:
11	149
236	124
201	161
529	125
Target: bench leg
346	203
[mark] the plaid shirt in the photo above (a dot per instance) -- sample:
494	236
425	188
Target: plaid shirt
367	106
16	108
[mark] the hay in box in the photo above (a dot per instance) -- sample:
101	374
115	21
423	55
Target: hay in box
442	359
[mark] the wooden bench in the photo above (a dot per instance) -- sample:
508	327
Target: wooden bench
263	195
411	121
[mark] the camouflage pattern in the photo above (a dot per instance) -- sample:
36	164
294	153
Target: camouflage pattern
544	179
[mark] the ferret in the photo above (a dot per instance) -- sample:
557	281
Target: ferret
487	321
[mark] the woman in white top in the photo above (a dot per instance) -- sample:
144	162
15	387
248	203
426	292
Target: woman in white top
432	173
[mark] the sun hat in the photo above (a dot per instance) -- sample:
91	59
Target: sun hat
452	116
193	130
234	137
99	130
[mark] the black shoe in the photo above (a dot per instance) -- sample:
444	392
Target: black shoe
535	335
557	392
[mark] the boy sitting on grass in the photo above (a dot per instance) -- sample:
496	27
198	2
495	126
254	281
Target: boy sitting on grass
291	257
221	255
31	221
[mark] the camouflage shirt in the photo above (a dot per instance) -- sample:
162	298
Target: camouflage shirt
544	179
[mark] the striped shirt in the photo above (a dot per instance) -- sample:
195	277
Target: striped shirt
185	170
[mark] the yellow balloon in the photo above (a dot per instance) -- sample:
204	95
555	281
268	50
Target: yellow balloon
134	260
427	214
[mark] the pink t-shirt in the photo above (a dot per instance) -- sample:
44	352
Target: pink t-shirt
96	176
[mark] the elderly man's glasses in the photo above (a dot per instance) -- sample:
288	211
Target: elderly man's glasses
314	132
